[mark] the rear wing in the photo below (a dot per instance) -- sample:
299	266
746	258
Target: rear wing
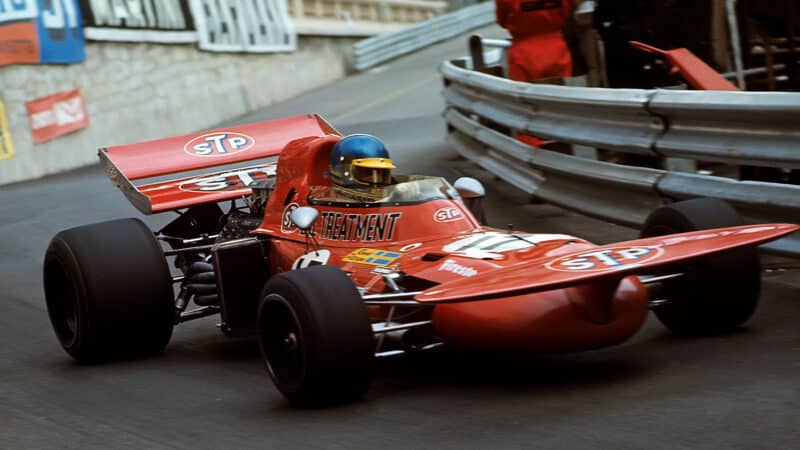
125	164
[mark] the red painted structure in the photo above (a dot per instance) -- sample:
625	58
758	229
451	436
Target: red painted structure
697	73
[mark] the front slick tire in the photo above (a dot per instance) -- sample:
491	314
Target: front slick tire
719	292
109	291
315	337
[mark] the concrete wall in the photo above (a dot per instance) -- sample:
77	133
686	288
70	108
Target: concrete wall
137	92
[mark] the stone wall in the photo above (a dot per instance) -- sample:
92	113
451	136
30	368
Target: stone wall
136	92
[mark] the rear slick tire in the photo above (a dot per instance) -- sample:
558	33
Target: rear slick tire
315	337
109	291
718	293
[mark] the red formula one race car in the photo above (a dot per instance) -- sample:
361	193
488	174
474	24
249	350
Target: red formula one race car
328	281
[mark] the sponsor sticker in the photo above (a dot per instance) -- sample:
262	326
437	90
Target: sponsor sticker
456	268
447	214
287	226
312	258
337	226
228	181
409	247
219	143
616	258
372	256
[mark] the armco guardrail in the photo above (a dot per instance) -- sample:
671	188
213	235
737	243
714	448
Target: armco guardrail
736	128
381	48
754	128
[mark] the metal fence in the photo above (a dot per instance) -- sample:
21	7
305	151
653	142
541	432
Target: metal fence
735	128
381	48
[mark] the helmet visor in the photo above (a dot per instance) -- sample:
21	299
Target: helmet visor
372	176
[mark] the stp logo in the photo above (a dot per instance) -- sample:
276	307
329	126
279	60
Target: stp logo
219	144
287	226
610	258
447	214
237	180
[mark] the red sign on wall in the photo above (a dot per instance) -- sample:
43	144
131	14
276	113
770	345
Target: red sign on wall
19	43
57	115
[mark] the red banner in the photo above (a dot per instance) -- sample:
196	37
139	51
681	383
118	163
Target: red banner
57	115
19	43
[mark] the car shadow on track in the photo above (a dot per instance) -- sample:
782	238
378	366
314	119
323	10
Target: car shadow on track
503	371
439	369
652	358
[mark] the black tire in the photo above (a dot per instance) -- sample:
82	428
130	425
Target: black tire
109	291
315	336
719	292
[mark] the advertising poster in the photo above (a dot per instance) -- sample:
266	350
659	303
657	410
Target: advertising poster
19	39
40	32
60	32
163	21
256	26
57	115
6	145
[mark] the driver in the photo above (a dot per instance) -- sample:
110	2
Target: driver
361	167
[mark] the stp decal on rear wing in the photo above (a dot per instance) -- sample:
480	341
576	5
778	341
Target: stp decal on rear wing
125	164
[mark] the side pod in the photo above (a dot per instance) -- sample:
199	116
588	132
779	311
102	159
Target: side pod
242	268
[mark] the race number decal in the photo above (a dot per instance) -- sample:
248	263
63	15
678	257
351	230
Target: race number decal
372	256
312	258
607	259
492	241
286	219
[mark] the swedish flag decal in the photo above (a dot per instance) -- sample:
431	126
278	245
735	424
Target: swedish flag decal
372	256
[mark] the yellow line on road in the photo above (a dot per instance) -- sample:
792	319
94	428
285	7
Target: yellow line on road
385	99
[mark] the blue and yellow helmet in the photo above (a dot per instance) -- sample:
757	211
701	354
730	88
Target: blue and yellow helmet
361	160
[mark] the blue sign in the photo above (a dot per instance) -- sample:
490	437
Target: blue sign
60	32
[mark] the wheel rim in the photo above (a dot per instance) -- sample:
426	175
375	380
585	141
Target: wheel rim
282	343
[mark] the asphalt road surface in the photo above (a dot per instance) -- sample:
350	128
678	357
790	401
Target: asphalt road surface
210	391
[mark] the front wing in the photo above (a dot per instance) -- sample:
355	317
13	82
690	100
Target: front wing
608	262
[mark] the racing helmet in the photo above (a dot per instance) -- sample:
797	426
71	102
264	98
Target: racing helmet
361	162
